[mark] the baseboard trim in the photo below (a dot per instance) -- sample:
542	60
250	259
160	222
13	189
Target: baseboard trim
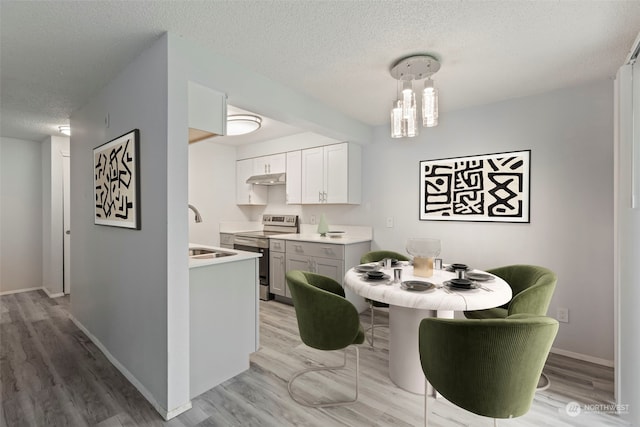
584	357
50	295
17	291
167	415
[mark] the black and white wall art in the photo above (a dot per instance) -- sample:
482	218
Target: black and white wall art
489	187
116	182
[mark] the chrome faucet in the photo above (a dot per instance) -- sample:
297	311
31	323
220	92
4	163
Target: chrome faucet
195	211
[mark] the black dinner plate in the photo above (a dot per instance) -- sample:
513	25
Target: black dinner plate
416	285
376	279
364	268
479	277
450	268
459	287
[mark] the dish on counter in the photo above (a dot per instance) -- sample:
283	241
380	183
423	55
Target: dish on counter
416	285
335	234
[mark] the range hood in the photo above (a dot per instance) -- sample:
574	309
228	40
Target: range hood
268	179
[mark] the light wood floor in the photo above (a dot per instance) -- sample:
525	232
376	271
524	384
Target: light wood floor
51	374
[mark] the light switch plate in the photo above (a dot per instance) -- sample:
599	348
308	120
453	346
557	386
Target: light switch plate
389	222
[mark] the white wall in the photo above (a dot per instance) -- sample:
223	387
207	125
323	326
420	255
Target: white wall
212	171
20	215
52	214
570	133
120	276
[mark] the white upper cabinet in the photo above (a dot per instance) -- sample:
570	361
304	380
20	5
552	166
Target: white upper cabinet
332	174
313	175
248	194
276	163
207	112
294	177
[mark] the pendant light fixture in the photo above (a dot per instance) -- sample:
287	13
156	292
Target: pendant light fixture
404	115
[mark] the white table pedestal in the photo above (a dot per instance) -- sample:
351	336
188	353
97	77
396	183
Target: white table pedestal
405	369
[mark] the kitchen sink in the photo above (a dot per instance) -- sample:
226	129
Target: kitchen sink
204	253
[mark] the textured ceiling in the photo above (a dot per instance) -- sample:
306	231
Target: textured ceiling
56	54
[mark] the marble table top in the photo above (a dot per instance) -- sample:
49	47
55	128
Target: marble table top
492	293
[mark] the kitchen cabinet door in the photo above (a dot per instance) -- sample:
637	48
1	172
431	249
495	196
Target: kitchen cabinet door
329	267
248	194
277	282
313	175
207	112
336	173
275	163
332	174
294	177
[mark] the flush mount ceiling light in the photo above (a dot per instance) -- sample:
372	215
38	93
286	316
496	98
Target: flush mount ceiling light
404	111
65	129
240	124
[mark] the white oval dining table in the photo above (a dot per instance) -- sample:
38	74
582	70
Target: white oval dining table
408	308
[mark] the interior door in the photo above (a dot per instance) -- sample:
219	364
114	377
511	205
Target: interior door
66	210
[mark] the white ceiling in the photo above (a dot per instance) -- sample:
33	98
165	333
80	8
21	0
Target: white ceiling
56	54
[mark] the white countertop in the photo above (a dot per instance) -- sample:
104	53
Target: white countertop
240	256
346	239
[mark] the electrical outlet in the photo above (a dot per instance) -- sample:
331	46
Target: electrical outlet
563	315
312	219
389	222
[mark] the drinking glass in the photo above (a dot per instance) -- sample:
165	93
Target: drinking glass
424	250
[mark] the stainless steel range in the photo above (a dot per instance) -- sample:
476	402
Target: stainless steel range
258	241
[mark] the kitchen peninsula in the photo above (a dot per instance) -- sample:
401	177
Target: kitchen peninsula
223	323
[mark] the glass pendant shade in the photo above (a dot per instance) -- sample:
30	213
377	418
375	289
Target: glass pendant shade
429	105
409	111
396	119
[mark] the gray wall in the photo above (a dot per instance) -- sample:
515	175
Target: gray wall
628	240
119	276
570	133
20	215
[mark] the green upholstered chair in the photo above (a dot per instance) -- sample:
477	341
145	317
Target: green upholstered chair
532	288
326	321
375	256
489	367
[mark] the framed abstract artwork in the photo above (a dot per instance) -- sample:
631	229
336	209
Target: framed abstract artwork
489	187
116	182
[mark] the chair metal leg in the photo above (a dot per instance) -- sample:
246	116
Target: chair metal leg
426	409
372	325
545	383
304	402
372	322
